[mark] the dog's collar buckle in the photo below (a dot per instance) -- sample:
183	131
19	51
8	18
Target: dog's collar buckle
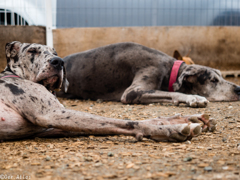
174	73
10	76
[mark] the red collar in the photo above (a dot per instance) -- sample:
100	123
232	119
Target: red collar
174	73
10	76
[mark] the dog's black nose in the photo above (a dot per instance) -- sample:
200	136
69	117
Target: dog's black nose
237	90
57	63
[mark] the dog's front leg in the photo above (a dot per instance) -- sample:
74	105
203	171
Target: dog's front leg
89	124
145	89
43	109
155	96
50	114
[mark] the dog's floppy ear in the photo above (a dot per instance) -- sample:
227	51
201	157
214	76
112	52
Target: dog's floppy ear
177	55
12	50
65	82
187	76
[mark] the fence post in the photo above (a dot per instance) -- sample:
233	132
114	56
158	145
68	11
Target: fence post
5	17
49	35
154	12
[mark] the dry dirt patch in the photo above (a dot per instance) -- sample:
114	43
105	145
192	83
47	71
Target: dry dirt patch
209	156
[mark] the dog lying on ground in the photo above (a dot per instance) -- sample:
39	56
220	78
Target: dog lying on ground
28	107
132	73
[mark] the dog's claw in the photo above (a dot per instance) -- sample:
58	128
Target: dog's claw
139	137
190	131
177	132
212	125
207	124
176	103
196	101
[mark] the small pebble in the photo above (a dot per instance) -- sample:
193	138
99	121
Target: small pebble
224	139
188	142
98	164
110	154
88	159
99	100
25	156
187	159
48	158
208	168
193	169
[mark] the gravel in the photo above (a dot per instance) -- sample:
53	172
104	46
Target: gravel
208	156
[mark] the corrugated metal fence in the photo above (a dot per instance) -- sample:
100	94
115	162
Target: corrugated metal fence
109	13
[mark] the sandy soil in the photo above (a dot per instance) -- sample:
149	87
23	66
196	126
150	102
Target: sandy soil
209	156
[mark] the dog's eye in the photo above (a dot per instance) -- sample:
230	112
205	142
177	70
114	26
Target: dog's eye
214	80
33	51
55	53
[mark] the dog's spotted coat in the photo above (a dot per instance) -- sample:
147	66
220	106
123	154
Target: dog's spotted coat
132	73
29	109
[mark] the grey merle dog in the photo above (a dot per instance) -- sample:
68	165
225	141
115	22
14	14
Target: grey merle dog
28	107
132	73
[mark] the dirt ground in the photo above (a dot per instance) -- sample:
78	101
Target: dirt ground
208	156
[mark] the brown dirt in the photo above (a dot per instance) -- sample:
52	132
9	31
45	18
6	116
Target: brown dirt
208	156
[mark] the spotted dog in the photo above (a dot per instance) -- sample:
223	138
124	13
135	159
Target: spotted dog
132	73
28	107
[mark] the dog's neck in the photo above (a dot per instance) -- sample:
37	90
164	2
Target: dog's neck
181	69
174	74
165	80
7	71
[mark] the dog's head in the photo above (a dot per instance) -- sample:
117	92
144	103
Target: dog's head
37	63
207	82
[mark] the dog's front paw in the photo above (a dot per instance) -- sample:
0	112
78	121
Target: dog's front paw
196	101
207	123
177	132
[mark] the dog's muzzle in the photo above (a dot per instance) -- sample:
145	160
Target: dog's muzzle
57	63
237	90
52	79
